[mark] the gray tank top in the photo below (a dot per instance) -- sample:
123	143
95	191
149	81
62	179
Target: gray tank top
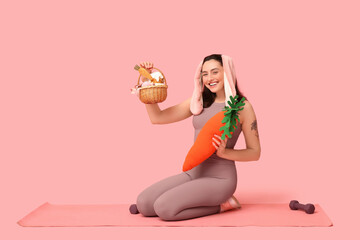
200	120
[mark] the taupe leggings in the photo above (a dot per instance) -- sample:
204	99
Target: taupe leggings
195	193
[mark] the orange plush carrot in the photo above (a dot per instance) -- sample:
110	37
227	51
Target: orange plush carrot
144	73
225	121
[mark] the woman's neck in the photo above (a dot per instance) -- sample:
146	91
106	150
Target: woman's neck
220	96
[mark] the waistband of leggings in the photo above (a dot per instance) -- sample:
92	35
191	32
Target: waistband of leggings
216	159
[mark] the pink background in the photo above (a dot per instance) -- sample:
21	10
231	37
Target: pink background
71	132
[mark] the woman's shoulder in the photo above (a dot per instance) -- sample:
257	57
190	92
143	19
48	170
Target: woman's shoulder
247	104
247	110
246	101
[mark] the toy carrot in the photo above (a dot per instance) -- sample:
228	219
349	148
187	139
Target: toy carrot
144	73
225	121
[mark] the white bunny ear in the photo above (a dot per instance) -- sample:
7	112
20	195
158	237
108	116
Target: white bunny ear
227	89
229	78
196	104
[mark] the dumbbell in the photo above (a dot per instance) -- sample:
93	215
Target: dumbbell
133	209
308	208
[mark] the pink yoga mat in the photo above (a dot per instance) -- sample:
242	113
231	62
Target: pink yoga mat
52	215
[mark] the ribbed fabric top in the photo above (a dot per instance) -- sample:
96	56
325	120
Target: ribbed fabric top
207	113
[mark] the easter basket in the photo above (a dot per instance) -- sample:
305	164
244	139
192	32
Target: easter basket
153	94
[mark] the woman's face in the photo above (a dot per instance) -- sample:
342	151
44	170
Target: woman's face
213	75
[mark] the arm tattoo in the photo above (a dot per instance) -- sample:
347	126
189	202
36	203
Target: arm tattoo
254	127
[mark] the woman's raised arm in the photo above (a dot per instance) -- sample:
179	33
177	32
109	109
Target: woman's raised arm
172	114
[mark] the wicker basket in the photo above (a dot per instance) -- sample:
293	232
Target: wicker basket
153	94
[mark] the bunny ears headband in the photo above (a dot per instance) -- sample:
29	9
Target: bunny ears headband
196	105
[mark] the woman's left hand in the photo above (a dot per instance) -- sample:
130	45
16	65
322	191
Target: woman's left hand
220	145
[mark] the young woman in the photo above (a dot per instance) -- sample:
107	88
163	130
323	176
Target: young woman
209	187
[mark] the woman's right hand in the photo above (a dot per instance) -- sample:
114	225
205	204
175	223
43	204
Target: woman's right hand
147	65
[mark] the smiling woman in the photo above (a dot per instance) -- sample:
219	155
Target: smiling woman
213	79
208	187
212	76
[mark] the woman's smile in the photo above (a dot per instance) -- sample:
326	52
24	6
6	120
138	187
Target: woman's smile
212	85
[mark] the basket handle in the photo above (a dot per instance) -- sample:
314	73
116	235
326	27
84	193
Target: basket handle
159	71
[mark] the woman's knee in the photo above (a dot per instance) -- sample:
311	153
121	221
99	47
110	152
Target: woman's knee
163	209
145	205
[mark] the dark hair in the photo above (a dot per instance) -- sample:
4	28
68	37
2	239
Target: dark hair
208	96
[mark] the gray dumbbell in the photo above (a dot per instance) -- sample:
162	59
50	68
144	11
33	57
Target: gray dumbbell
133	209
308	208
